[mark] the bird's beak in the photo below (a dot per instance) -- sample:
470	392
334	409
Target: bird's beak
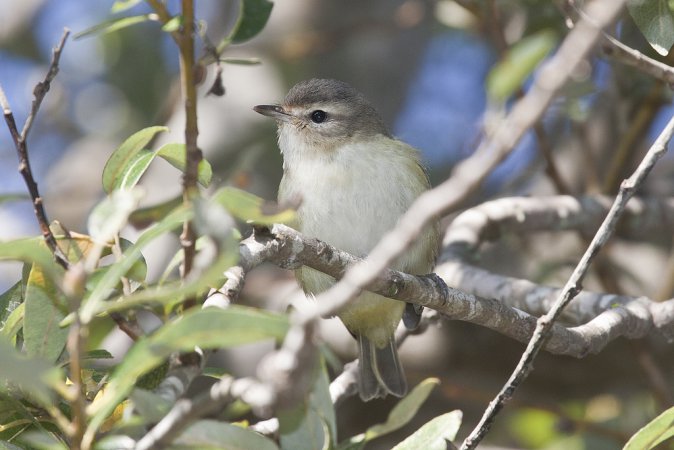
274	111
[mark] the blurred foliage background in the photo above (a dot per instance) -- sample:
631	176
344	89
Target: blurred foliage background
428	66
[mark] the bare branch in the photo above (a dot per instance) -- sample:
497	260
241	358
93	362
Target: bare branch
573	286
19	139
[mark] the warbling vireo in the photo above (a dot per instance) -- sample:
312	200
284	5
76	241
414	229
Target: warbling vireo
353	181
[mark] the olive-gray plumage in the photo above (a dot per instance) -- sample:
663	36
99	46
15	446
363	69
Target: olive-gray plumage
353	181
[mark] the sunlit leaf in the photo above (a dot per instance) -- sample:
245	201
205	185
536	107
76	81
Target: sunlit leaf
123	159
173	25
44	304
251	208
213	434
123	5
656	431
252	19
518	64
174	154
114	24
207	328
435	434
655	21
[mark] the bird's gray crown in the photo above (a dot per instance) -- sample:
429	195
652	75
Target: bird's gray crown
361	116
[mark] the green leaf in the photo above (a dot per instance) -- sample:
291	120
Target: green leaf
251	208
655	21
123	5
212	434
111	214
14	322
114	24
130	257
242	61
41	331
435	434
28	374
313	427
175	155
656	431
31	251
518	63
207	328
144	217
151	407
399	416
4	445
252	19
13	197
125	158
173	25
10	300
42	440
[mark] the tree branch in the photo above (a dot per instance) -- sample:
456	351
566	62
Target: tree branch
573	286
19	139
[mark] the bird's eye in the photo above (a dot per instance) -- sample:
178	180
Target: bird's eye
318	116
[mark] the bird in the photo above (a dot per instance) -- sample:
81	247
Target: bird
353	181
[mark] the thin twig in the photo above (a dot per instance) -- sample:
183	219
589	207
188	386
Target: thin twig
572	287
19	139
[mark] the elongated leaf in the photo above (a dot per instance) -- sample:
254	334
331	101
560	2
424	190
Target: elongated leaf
123	5
656	431
518	63
252	19
41	331
251	208
174	154
123	159
655	21
213	434
173	25
111	25
435	434
207	328
242	61
113	274
25	373
14	322
42	440
31	250
111	214
144	217
13	197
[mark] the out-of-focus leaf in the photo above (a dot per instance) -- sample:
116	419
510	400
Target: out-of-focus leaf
130	257
535	428
399	416
207	328
435	434
211	434
251	208
31	250
25	373
312	427
111	214
656	431
655	21
123	5
174	154
253	17
10	300
173	25
518	63
242	61
138	271
4	445
123	159
42	440
115	442
114	24
144	217
13	197
14	322
151	407
41	331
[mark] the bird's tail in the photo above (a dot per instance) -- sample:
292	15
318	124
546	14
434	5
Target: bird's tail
380	370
